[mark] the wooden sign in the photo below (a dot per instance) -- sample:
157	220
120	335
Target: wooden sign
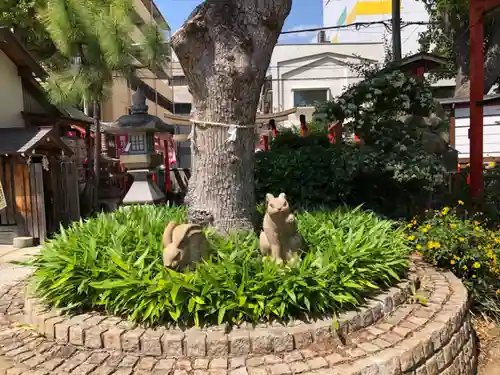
3	202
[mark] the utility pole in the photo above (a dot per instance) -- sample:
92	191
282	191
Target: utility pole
396	30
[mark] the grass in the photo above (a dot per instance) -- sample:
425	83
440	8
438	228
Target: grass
113	263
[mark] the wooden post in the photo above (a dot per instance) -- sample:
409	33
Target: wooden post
265	142
476	95
166	162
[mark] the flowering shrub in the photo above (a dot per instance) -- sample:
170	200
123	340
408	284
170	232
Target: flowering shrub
464	246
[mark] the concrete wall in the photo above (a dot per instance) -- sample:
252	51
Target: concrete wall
11	94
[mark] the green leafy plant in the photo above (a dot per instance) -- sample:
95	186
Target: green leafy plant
112	263
464	246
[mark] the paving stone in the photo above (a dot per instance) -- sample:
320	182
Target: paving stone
34	361
282	341
217	371
112	338
128	361
76	335
114	359
131	340
183	364
73	362
84	369
261	341
123	371
218	363
334	359
237	362
302	337
317	363
196	345
401	331
168	364
93	337
151	342
146	363
51	364
49	328
255	371
172	343
239	371
382	344
239	342
180	372
298	367
279	369
292	356
62	331
65	351
98	357
217	344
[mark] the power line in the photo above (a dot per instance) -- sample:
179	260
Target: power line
385	23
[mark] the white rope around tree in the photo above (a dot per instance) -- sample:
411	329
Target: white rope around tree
232	130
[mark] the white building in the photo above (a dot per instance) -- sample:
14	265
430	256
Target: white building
343	12
308	73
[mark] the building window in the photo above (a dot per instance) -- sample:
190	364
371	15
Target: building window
136	143
308	98
178	81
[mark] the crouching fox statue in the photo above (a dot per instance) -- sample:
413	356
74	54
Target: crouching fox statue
184	245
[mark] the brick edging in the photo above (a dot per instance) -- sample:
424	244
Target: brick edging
96	331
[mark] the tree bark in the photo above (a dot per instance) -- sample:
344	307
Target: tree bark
492	57
225	48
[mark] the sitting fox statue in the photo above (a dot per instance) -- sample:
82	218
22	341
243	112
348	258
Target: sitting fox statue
184	245
279	238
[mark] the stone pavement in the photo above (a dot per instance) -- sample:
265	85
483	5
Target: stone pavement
411	339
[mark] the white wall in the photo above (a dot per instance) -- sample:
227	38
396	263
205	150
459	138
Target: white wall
491	135
11	94
315	66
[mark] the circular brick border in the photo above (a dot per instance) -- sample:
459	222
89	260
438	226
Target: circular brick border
411	340
96	331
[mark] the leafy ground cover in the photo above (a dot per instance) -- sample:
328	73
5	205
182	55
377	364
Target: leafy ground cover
113	263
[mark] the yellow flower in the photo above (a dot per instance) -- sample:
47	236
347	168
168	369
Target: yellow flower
468	164
453	225
474	276
498	291
477	265
424	230
492	164
418	247
460	202
461	239
433	245
452	261
456	257
465	268
445	211
411	238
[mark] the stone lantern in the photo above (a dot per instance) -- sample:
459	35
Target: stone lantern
139	156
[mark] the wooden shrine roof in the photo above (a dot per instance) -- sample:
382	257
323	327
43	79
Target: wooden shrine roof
24	140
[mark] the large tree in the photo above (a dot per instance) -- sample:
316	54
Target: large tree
224	48
448	35
93	41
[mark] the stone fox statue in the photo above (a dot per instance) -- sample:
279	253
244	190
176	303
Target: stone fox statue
184	245
279	238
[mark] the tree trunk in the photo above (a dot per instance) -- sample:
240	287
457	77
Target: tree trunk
97	154
225	48
492	58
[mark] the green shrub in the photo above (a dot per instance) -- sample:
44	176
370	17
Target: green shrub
113	263
393	185
289	140
465	247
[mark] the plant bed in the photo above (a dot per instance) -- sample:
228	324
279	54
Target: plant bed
112	264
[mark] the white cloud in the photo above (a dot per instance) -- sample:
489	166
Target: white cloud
305	37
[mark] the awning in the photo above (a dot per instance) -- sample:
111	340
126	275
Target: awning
25	140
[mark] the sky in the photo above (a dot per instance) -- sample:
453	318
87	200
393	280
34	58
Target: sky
305	14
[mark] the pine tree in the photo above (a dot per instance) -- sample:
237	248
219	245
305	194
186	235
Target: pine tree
93	37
